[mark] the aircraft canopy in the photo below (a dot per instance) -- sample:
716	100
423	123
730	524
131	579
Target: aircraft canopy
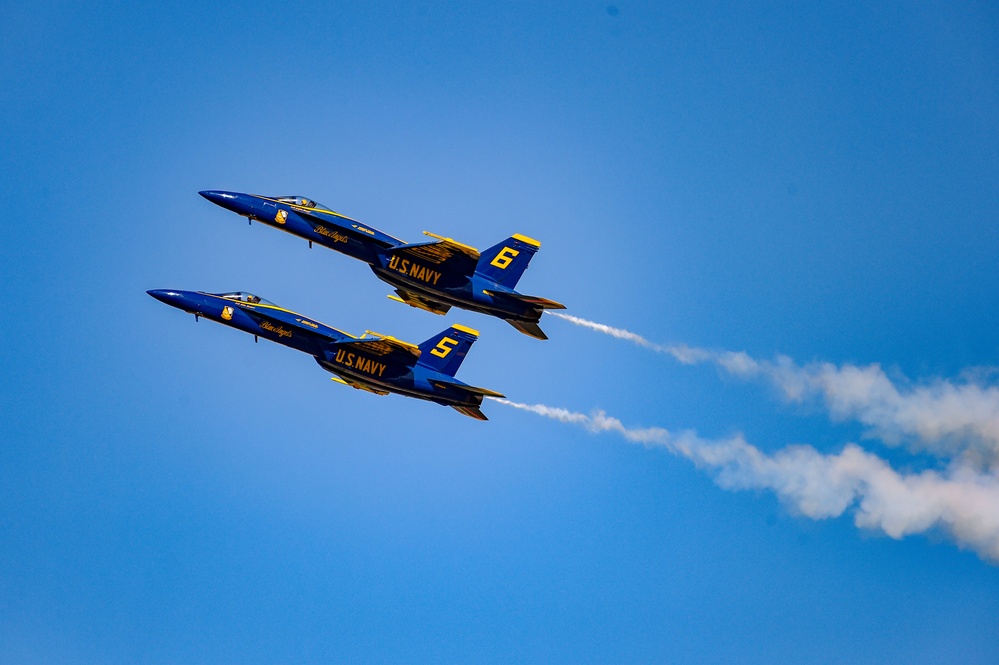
299	201
243	296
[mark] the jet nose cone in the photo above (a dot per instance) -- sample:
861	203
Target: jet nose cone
215	197
241	204
172	298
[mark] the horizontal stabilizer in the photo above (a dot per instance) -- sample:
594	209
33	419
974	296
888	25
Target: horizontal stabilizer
537	301
360	386
420	302
485	392
528	328
470	411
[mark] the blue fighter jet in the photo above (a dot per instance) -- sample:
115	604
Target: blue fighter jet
433	276
376	363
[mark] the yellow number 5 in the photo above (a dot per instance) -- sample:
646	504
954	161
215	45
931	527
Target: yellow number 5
444	347
504	258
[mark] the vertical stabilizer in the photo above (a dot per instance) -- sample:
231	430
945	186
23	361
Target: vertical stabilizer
506	262
445	351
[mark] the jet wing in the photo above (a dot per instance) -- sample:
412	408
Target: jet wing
360	386
381	345
420	302
460	257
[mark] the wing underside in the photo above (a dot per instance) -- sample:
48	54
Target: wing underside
420	302
360	386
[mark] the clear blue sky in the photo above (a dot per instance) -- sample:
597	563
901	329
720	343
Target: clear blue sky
801	179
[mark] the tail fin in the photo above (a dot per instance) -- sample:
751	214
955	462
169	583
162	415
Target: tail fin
445	351
506	262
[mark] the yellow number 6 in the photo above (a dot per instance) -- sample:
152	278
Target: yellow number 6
444	347
504	258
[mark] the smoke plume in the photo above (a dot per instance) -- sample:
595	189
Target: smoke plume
942	417
961	501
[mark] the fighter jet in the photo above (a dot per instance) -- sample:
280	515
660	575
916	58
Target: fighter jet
379	364
433	276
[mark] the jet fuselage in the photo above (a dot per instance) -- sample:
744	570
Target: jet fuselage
378	364
431	276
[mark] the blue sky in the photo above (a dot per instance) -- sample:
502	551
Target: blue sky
818	182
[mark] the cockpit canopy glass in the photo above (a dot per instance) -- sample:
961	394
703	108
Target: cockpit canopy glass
243	296
299	201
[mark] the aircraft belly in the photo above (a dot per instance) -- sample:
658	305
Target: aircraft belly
465	299
359	377
444	297
407	390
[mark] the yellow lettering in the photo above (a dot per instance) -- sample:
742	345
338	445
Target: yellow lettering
504	258
444	347
335	236
280	331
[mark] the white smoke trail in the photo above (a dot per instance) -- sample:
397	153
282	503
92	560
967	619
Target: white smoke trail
961	501
942	417
620	333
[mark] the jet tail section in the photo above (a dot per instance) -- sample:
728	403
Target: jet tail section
506	262
472	390
535	301
445	351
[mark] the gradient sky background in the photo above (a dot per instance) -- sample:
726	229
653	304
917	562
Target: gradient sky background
819	181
